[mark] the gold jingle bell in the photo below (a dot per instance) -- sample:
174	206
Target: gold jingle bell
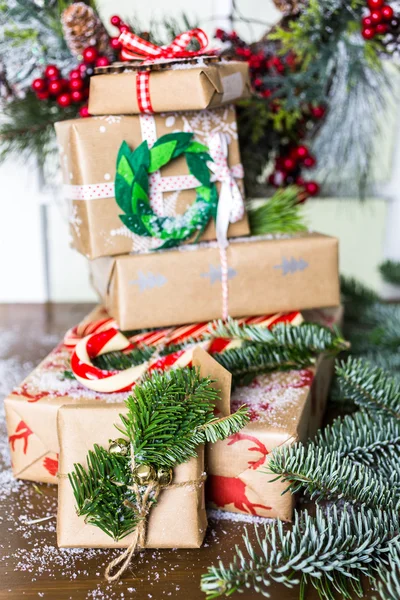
144	474
164	476
119	446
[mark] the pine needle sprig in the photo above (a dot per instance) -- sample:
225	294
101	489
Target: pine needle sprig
390	271
119	360
307	337
324	475
370	388
102	490
171	414
363	438
332	549
389	584
281	213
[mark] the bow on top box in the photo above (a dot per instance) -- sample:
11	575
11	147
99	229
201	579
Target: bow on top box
145	182
161	79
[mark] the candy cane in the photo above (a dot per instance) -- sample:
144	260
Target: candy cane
113	340
75	334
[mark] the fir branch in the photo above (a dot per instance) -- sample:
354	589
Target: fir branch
307	337
260	358
355	292
171	414
389	584
370	388
322	474
281	213
330	550
119	360
101	492
390	271
363	438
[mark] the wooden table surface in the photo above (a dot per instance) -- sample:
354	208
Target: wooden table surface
31	565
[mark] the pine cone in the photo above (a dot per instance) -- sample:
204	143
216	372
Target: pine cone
290	7
82	28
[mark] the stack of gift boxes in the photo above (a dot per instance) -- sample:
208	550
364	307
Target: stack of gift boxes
169	247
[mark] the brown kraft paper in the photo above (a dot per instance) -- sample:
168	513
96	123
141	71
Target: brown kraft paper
88	154
291	410
80	427
174	89
184	286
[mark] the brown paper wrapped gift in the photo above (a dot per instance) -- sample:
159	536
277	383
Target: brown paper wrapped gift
183	286
31	410
80	427
89	149
285	407
196	87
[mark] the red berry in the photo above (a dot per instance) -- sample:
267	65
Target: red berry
84	111
266	93
381	28
387	12
257	82
271	179
115	43
64	100
82	69
102	61
376	16
300	181
43	95
55	87
219	33
367	22
76	84
289	164
317	112
116	20
76	96
90	54
123	28
375	4
312	188
75	74
309	162
301	152
39	84
52	72
368	33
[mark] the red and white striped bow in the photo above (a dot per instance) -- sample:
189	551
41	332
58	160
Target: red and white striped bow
134	47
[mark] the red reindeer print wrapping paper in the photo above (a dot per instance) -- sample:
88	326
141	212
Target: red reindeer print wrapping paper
285	407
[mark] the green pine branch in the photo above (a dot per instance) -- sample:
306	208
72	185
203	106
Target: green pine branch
363	438
325	475
370	388
330	551
281	213
307	337
119	360
390	271
389	575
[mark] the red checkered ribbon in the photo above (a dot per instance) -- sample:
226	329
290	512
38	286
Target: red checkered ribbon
134	47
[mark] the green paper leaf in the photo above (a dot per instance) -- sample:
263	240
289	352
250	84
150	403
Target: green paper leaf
142	178
123	193
196	147
198	168
161	155
124	170
138	194
140	158
182	139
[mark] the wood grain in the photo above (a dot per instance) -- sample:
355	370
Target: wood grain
31	566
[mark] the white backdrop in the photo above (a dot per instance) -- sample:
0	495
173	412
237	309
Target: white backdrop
22	271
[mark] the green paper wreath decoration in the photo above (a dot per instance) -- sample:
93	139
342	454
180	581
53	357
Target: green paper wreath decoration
132	189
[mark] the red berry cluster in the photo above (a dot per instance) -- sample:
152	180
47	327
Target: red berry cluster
75	89
294	157
379	20
288	165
